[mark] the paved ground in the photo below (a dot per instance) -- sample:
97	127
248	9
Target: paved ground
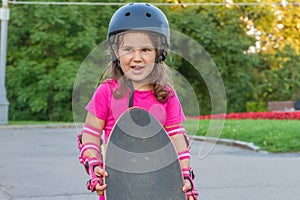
41	164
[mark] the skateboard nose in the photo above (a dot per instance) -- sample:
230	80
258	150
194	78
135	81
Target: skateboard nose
139	117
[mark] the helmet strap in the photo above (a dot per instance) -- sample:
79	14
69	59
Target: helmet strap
130	100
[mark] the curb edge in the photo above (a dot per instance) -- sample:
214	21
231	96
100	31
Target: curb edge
228	142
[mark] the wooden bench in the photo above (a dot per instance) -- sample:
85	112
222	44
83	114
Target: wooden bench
286	106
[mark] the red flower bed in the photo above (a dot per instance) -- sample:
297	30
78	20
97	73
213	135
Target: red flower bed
255	115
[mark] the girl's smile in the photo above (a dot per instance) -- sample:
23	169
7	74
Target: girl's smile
136	70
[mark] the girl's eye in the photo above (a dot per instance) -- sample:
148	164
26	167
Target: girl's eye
128	49
146	49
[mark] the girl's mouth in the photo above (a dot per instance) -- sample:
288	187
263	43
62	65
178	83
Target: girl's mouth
136	67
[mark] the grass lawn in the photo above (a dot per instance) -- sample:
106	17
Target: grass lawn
34	122
270	135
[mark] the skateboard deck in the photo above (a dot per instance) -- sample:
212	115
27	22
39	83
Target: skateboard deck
141	161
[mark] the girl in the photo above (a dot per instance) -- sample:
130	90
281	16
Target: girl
139	36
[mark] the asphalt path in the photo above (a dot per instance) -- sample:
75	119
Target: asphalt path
39	163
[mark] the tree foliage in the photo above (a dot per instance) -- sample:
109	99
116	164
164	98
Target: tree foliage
221	33
277	31
47	45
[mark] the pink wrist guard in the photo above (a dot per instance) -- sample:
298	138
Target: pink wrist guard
188	174
90	163
91	184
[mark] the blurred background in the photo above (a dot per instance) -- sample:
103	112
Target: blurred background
254	44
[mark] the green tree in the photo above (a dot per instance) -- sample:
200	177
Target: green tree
222	34
276	28
46	47
282	83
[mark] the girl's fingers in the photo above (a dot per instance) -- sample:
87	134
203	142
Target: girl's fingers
100	189
187	185
100	172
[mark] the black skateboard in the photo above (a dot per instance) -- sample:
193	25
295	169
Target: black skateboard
141	161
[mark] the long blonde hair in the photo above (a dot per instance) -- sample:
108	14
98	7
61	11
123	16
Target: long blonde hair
159	78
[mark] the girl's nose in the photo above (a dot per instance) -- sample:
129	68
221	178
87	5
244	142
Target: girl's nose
137	55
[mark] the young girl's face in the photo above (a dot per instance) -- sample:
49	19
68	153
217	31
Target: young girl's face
137	57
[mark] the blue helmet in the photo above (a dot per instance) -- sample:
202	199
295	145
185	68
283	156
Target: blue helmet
139	16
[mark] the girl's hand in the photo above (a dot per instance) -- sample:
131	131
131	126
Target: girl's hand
192	194
101	173
187	186
191	198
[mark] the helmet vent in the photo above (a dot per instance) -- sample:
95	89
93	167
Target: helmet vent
127	14
148	14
